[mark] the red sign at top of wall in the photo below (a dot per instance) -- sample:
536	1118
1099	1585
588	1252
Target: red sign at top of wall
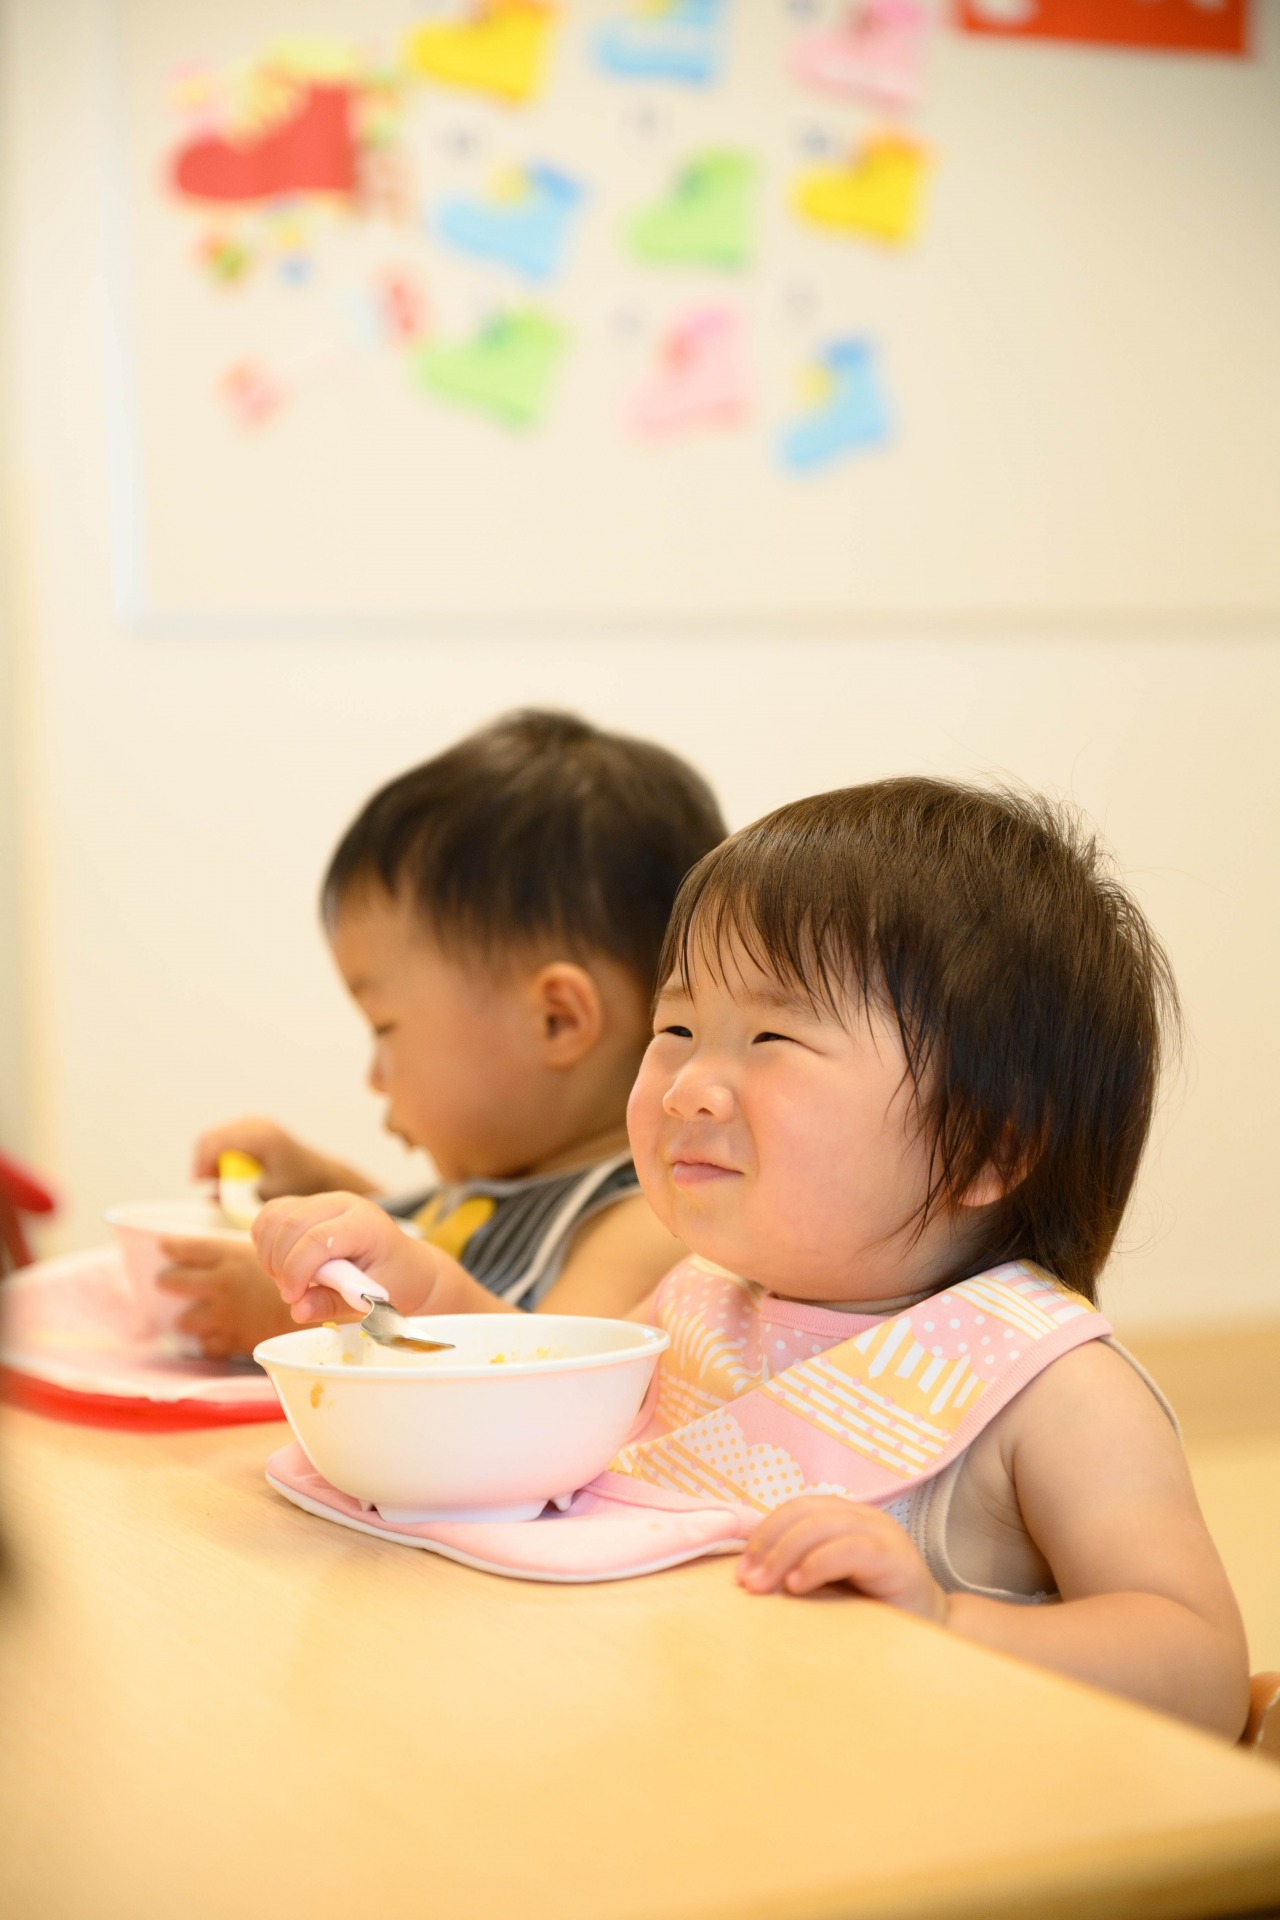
1192	26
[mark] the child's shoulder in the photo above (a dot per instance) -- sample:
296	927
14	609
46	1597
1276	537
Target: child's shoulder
1096	1388
1089	1429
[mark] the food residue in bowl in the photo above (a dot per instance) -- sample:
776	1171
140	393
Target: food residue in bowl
353	1347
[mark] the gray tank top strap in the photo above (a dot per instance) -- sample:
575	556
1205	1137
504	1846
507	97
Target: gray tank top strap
925	1510
576	1207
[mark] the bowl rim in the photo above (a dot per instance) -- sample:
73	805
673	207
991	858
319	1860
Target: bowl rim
221	1231
651	1341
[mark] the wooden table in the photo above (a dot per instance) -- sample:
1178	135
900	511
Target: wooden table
214	1705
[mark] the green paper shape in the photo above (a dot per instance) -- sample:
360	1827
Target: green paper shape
708	218
506	370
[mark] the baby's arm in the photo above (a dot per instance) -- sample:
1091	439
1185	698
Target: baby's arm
294	1238
287	1165
1105	1494
614	1261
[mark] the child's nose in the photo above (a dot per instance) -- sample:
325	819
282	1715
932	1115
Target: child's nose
697	1096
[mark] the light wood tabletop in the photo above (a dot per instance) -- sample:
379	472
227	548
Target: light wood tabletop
213	1704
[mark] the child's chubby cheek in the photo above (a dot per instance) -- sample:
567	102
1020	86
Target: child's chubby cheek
645	1121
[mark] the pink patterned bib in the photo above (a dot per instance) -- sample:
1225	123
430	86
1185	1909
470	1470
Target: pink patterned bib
760	1399
757	1400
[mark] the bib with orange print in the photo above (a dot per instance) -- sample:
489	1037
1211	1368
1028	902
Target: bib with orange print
760	1399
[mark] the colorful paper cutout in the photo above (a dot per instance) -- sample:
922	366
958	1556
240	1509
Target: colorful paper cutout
501	49
225	258
877	192
876	54
289	237
253	393
849	413
708	218
401	304
1185	26
310	150
507	370
663	40
699	381
525	224
196	92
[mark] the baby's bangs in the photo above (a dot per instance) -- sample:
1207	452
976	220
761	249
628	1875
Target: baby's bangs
755	896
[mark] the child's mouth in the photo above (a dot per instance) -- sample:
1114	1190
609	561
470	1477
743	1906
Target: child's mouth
700	1173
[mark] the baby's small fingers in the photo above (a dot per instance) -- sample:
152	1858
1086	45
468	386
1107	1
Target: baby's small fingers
199	1320
765	1572
847	1557
184	1251
276	1231
196	1280
782	1518
320	1303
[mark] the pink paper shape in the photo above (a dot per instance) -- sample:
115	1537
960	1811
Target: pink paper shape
875	55
699	379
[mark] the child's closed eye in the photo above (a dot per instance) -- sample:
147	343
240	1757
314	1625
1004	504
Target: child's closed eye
760	1038
681	1033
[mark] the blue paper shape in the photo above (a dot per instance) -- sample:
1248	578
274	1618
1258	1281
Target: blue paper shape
681	43
853	416
529	233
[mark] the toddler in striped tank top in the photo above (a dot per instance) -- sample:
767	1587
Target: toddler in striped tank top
496	915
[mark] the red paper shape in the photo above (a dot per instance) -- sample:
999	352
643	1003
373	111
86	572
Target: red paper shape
310	152
1185	26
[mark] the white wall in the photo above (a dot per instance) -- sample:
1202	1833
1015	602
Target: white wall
180	798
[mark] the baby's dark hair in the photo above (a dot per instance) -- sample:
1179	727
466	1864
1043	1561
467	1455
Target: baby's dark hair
538	827
1030	993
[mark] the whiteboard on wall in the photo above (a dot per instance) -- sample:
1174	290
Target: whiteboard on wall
1079	353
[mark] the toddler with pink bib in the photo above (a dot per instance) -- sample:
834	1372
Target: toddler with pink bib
904	1061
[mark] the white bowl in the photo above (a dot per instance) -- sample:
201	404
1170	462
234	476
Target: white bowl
527	1409
140	1227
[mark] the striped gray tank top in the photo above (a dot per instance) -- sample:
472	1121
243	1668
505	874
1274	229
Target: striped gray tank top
512	1235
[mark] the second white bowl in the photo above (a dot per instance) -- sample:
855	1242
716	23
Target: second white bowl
140	1226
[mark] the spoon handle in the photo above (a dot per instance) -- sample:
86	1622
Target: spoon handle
356	1288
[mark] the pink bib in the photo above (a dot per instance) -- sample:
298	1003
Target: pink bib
758	1400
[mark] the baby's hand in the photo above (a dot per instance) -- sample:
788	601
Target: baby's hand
287	1165
820	1538
294	1238
233	1303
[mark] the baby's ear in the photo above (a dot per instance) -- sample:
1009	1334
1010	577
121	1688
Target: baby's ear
570	1012
998	1176
989	1186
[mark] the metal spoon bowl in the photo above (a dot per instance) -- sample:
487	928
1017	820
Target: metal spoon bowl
382	1323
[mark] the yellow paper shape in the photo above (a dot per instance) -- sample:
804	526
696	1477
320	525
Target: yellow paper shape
816	385
501	49
877	192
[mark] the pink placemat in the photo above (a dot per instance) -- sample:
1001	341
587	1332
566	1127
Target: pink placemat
598	1537
71	1344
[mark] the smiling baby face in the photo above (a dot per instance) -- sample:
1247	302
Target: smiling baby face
780	1137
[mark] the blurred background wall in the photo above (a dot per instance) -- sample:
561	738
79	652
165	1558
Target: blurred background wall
167	804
